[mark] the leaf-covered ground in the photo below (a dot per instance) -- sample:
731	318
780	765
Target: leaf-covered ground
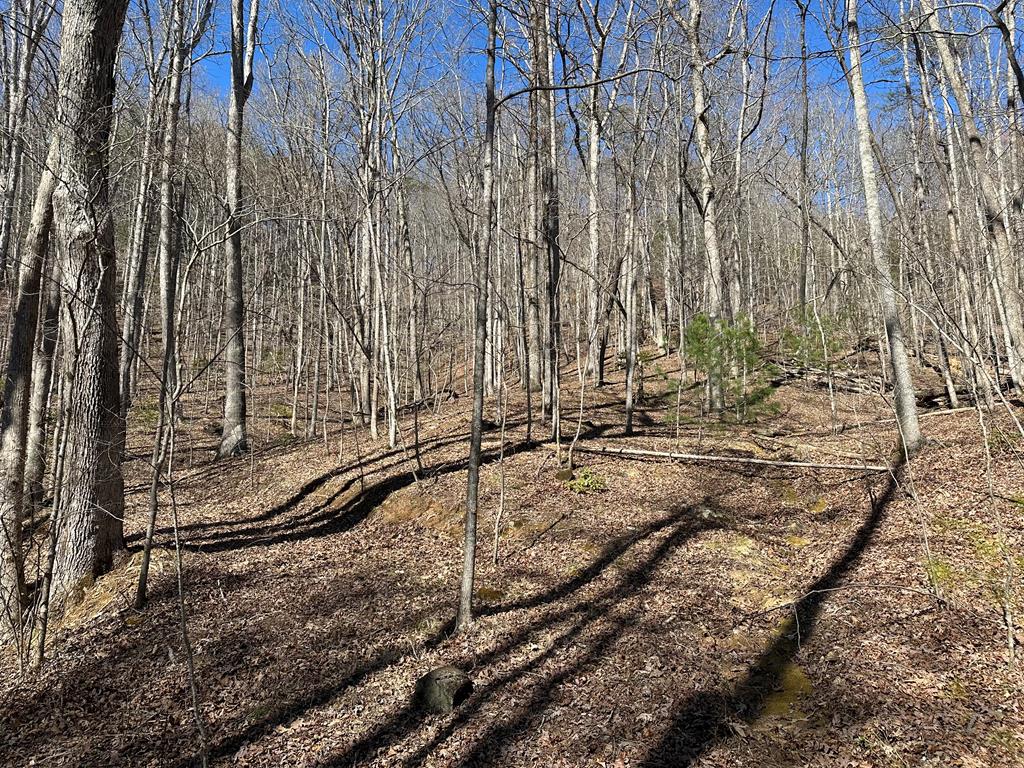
687	614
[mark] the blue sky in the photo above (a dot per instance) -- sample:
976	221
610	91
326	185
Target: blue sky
464	22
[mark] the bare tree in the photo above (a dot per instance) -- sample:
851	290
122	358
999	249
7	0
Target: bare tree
483	239
89	506
243	48
906	404
15	412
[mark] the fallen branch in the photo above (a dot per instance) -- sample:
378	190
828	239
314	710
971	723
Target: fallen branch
885	587
696	457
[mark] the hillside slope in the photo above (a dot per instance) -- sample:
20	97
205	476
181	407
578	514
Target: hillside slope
687	614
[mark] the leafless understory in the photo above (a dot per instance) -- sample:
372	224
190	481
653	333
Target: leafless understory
658	364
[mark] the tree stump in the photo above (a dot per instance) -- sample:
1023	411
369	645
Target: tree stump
442	689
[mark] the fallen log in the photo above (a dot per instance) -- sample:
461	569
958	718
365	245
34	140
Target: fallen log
698	457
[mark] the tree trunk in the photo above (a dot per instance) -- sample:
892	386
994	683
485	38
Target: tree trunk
464	617
708	200
996	220
42	380
234	439
906	406
14	415
88	515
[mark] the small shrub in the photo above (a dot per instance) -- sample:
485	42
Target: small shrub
732	354
280	411
587	481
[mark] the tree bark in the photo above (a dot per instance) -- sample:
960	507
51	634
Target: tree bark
17	396
707	194
88	515
464	616
234	439
996	220
906	406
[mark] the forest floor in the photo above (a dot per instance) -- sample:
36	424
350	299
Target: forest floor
687	614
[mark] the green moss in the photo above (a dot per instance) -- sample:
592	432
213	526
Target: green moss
259	713
942	523
818	506
793	685
682	418
940	573
1009	741
789	494
280	411
956	689
986	547
147	415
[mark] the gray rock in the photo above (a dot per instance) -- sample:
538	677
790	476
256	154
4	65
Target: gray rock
442	689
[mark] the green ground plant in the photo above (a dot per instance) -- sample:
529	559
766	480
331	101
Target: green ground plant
586	481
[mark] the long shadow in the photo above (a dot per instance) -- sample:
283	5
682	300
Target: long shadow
326	518
701	720
683	524
611	552
290	709
307	489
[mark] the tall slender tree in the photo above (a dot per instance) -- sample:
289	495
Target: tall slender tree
905	402
243	48
484	237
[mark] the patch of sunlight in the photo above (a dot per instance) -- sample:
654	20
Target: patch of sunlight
776	601
736	544
409	505
793	685
89	598
489	594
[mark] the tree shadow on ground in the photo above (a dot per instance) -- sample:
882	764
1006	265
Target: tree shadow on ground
580	617
701	721
296	706
327	517
249	525
698	723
